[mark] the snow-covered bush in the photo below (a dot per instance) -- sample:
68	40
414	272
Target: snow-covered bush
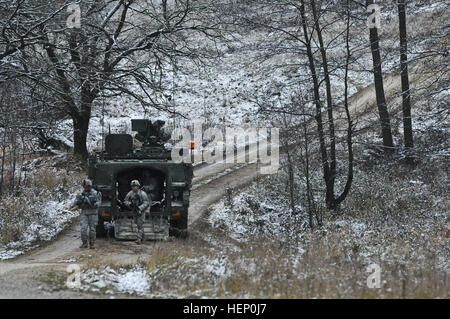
38	210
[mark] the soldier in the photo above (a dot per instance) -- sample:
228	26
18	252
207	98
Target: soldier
88	201
137	200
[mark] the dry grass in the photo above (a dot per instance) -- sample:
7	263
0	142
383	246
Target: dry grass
330	267
404	210
40	184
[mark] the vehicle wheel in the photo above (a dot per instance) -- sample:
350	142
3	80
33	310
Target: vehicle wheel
173	228
183	227
110	232
100	229
179	228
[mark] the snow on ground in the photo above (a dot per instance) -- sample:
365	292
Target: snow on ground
41	209
245	212
52	218
126	281
145	281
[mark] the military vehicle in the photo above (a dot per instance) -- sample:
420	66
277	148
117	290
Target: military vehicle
166	183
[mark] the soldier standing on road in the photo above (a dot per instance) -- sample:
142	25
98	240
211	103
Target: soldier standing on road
88	201
137	200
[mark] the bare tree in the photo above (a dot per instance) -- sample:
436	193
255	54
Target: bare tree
298	30
328	156
379	87
406	94
20	21
122	47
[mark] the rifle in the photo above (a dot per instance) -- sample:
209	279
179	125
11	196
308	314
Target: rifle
83	202
121	204
133	206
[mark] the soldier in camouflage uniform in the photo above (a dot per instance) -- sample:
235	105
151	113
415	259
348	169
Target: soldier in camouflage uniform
88	201
138	201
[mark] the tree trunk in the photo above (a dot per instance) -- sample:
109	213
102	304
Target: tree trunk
379	88
290	168
12	184
348	184
2	171
329	197
309	195
81	121
80	130
407	122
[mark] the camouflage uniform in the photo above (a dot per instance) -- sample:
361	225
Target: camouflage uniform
140	200
88	202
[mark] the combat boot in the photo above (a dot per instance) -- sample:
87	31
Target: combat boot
92	245
84	245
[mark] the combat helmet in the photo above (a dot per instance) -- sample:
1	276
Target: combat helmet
135	183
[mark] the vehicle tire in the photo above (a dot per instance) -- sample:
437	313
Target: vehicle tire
173	228
100	229
179	227
183	227
110	232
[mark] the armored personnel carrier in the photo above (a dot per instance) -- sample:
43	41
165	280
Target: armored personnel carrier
166	183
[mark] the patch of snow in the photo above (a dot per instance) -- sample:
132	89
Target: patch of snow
54	216
217	267
129	281
359	228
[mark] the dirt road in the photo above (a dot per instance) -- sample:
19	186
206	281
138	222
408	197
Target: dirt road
19	277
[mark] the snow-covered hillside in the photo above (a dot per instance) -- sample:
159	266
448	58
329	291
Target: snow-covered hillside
230	90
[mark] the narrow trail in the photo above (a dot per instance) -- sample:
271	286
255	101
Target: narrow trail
19	277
